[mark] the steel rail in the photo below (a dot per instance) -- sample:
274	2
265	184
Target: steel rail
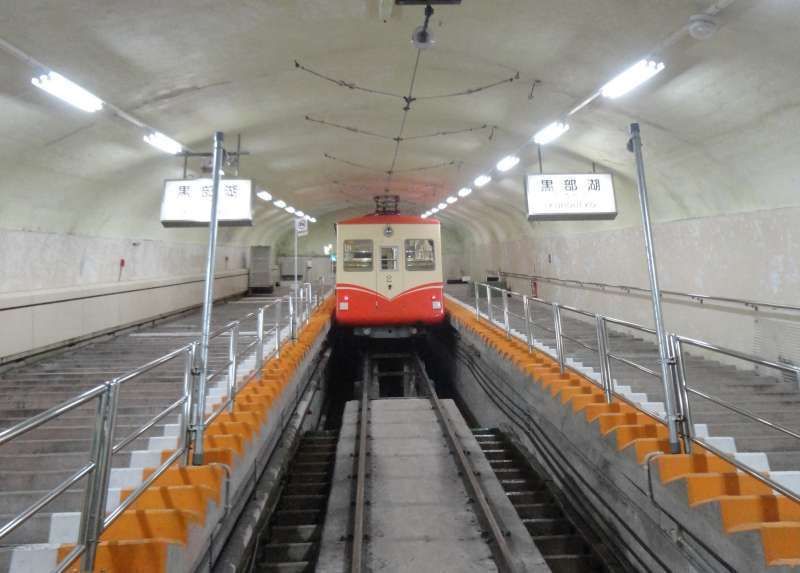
500	550
745	413
633	364
740	355
578	342
356	564
43	501
35	421
791	494
109	519
153	421
627	289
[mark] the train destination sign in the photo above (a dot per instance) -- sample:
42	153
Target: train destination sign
187	203
570	196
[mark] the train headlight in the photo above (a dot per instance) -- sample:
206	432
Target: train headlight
436	305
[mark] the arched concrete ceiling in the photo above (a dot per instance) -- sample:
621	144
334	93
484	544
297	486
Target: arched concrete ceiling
719	123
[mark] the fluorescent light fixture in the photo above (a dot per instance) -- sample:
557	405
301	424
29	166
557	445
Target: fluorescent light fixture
442	206
464	191
507	163
425	215
450	200
299	213
164	143
59	86
482	180
290	210
435	210
550	133
312	219
631	78
280	204
264	195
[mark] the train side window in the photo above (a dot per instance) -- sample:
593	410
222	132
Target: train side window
357	255
420	255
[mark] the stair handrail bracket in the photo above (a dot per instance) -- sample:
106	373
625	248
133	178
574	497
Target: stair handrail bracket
678	379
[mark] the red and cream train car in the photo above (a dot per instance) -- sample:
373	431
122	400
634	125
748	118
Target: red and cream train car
389	271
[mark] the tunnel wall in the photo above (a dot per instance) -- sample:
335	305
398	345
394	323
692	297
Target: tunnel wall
748	255
56	288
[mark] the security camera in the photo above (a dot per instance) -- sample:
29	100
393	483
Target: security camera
422	38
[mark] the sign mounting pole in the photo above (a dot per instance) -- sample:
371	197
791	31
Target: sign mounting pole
294	286
208	300
635	146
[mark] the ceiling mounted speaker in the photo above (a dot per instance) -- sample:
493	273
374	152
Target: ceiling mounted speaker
702	26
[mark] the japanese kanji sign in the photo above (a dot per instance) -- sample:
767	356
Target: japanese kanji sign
570	196
187	203
301	226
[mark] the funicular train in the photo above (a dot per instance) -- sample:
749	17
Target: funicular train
389	273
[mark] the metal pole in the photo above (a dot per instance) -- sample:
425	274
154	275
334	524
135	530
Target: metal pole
186	414
94	511
208	299
294	287
477	301
528	332
292	312
233	350
680	384
278	312
506	320
489	304
260	344
557	331
602	347
635	145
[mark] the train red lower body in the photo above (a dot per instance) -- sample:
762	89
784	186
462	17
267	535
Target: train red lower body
360	306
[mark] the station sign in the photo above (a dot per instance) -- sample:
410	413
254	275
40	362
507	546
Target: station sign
187	203
570	196
301	226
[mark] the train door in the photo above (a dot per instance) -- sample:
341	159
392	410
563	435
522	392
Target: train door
388	276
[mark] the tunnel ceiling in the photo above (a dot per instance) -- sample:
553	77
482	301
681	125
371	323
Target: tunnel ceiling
719	123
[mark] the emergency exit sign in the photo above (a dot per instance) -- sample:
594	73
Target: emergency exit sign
570	196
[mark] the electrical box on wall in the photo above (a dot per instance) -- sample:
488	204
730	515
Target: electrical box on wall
260	280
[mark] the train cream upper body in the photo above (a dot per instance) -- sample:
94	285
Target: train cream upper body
389	276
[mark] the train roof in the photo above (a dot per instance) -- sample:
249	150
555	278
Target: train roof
376	219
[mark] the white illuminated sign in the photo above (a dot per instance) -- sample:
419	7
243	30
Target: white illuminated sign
570	196
187	203
301	227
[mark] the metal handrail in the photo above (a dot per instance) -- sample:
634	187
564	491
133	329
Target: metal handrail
93	520
752	304
678	378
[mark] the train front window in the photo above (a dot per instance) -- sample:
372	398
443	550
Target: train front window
357	255
420	255
389	258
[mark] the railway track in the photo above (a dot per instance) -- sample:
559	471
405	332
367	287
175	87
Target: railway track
297	532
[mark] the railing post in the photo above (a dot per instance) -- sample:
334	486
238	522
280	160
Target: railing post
260	340
528	331
94	501
682	393
557	331
489	304
477	301
278	312
292	313
185	431
506	320
233	359
308	300
605	365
